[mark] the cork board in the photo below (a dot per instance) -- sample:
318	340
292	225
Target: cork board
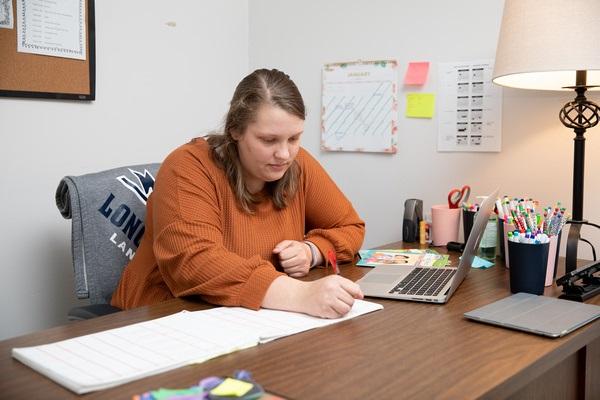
40	76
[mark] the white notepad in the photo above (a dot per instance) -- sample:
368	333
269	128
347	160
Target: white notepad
113	357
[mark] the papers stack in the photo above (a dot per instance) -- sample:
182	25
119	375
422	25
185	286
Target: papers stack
406	257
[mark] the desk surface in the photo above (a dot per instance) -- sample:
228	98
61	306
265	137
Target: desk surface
408	350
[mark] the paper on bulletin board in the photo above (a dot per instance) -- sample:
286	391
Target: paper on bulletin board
6	14
469	107
52	28
360	106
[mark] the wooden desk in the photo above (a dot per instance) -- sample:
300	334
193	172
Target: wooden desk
408	350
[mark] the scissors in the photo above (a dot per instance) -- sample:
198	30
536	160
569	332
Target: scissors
458	196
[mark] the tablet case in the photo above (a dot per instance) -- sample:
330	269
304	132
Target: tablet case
547	316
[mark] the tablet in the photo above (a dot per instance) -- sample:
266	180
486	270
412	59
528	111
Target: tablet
547	316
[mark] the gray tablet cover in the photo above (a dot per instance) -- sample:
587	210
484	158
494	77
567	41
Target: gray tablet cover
541	315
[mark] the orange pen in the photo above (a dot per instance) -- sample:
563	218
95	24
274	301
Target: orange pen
332	260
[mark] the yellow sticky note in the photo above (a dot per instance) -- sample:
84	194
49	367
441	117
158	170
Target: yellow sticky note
420	105
232	387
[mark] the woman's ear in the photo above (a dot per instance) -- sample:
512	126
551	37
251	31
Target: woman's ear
235	134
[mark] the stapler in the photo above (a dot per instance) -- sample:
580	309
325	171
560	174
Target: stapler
580	284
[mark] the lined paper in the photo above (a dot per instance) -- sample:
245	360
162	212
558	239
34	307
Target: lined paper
116	356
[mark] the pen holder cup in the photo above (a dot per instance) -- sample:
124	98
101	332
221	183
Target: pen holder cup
528	267
504	245
445	222
467	217
501	241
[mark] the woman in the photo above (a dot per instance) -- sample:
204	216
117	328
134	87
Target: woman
236	217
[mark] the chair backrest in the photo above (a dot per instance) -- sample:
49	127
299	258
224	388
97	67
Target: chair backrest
108	211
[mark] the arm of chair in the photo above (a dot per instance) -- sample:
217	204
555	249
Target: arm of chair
91	311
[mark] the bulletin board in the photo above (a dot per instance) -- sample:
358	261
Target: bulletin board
40	76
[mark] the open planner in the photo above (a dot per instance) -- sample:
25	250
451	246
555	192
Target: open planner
116	356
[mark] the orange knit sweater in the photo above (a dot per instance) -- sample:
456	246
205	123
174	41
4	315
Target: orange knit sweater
199	242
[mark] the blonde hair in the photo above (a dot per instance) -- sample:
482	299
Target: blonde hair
262	86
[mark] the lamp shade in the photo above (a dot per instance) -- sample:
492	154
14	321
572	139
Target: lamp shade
543	42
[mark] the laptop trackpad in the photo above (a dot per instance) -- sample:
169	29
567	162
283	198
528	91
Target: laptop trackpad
379	278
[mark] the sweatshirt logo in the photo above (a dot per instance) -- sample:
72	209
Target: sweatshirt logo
143	187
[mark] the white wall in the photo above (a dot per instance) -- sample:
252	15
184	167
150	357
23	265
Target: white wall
157	87
536	157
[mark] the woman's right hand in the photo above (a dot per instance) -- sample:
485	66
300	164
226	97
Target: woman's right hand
329	297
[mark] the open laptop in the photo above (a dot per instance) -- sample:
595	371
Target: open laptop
429	284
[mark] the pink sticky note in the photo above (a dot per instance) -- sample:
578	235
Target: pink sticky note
416	74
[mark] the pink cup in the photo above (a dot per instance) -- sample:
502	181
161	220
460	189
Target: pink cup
551	258
444	224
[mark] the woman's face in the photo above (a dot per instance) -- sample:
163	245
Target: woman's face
268	146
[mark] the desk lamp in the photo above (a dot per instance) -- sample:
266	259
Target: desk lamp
554	45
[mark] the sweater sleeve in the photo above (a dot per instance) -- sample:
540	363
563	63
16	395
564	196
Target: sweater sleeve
331	221
188	242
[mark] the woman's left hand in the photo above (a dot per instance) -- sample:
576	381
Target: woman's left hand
295	257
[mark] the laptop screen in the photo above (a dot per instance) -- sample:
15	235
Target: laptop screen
472	245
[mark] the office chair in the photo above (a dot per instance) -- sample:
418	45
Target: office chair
107	210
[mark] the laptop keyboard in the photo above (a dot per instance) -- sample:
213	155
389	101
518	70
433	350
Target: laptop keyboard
424	281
